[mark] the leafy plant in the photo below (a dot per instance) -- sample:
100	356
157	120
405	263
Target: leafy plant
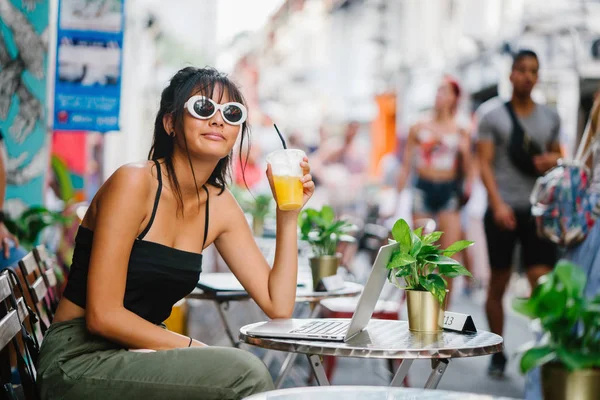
28	226
571	322
421	263
259	207
322	230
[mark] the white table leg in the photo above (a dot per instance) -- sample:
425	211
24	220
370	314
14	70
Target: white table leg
315	311
285	369
288	363
318	370
402	372
268	358
235	343
439	367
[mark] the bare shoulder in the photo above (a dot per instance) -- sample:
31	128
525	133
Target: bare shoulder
221	199
125	193
132	181
137	175
225	207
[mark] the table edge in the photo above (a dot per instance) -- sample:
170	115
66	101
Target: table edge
372	353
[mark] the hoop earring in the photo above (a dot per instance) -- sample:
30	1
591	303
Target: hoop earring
172	134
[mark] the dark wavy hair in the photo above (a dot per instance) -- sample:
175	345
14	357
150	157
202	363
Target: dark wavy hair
184	84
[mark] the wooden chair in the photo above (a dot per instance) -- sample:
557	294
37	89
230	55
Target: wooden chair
46	265
15	343
29	319
37	291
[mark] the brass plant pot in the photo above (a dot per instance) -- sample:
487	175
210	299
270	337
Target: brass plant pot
425	339
323	266
560	384
425	313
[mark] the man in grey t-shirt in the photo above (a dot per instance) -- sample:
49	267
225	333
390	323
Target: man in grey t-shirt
508	218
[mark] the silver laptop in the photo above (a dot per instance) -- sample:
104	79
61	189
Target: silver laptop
332	329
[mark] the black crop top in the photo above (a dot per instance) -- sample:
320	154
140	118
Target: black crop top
158	276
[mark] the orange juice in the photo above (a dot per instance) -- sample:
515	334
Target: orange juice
289	192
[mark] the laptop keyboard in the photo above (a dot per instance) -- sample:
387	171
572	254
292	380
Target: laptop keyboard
323	328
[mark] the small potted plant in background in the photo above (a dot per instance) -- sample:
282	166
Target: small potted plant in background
28	226
569	351
259	207
422	266
322	231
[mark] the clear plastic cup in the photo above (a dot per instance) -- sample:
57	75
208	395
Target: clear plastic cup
287	172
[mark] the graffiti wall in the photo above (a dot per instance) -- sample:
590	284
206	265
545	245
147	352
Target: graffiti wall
23	75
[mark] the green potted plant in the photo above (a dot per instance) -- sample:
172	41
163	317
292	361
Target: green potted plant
419	266
258	207
322	231
28	226
569	351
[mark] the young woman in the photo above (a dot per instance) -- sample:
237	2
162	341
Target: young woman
586	254
139	250
440	152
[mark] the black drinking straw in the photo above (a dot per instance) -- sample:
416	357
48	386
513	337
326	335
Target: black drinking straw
280	137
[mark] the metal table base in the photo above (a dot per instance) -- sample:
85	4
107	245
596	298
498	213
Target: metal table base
386	339
437	372
288	363
221	301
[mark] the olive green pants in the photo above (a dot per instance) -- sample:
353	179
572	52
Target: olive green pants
75	364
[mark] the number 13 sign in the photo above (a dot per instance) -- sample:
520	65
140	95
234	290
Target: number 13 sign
459	322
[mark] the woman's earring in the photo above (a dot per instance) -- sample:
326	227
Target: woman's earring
172	134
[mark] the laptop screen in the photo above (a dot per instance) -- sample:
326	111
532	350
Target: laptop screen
370	295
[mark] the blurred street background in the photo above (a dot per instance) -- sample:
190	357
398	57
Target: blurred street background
344	80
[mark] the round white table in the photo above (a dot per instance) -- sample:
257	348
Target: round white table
388	339
366	393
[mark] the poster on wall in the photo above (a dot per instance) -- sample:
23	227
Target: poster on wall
88	65
23	63
69	164
76	160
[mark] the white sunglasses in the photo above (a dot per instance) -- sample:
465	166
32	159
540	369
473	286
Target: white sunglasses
202	107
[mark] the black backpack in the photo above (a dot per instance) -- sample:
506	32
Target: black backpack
521	149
